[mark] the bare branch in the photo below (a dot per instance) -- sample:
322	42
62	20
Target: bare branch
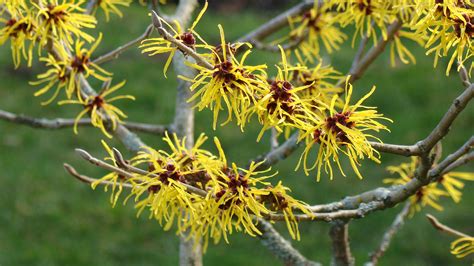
362	210
389	234
280	247
459	162
464	75
330	207
405	150
445	123
90	6
359	53
452	158
273	139
279	153
444	228
274	48
276	23
114	54
341	251
358	70
60	123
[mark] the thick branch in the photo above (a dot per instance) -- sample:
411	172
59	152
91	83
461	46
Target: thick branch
389	234
280	247
341	251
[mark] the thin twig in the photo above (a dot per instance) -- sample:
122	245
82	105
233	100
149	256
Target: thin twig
90	6
359	69
459	162
444	228
114	54
274	48
452	158
276	23
359	53
389	234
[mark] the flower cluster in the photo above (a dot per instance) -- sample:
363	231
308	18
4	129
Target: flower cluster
447	185
202	193
301	96
449	26
57	29
316	26
444	28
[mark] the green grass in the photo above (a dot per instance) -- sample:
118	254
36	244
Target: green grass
47	218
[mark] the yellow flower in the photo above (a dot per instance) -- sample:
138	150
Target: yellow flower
59	22
115	179
64	69
314	27
99	108
279	200
319	79
426	195
341	131
165	195
56	74
366	15
449	26
12	7
231	203
20	30
281	106
80	62
159	45
398	49
462	247
110	6
230	84
453	185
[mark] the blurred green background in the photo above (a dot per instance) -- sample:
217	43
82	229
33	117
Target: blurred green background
48	218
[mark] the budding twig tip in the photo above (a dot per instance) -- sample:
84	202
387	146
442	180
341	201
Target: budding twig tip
156	20
118	158
84	154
